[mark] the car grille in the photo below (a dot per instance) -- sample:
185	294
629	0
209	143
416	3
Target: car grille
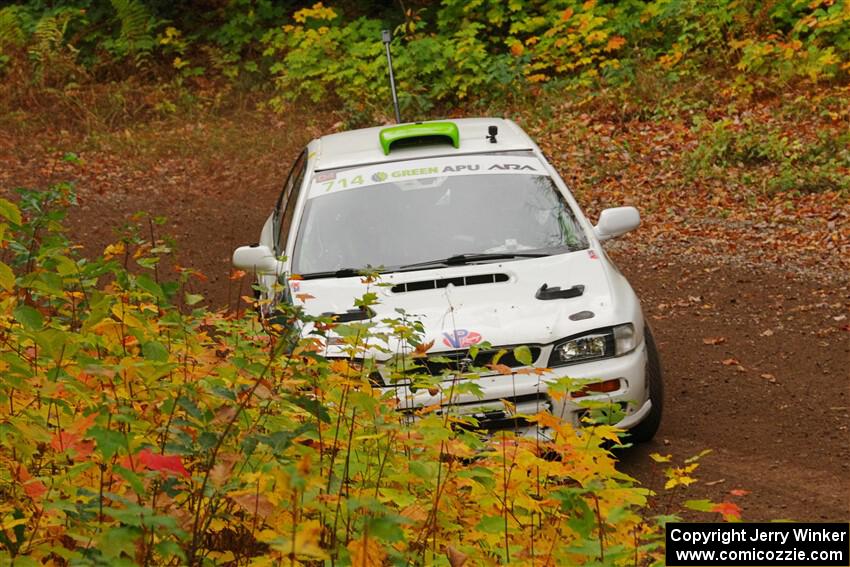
455	361
494	416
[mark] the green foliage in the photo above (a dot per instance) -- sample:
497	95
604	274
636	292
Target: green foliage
12	34
52	57
489	50
464	58
789	162
483	51
136	433
137	35
815	43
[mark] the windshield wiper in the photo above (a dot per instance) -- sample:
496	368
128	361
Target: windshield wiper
461	259
341	273
456	260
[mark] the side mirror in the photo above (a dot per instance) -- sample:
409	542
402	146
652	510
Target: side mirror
258	259
616	221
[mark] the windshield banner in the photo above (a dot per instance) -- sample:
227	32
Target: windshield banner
415	171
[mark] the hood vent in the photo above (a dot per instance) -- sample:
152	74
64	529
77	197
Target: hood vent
444	282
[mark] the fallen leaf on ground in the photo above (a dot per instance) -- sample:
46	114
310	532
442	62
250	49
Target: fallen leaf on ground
729	511
769	377
714	340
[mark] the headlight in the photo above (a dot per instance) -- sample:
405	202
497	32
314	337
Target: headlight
604	343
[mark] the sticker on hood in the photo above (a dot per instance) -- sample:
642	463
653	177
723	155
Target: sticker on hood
461	338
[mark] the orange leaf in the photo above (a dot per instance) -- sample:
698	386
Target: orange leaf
68	441
34	488
422	348
237	274
428	409
714	340
83	424
366	552
615	43
63	439
304	296
415	512
739	492
163	463
729	510
500	368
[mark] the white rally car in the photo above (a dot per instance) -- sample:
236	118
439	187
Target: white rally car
474	234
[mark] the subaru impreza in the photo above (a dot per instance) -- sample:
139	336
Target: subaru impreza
469	229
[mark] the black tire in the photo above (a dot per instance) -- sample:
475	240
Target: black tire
645	430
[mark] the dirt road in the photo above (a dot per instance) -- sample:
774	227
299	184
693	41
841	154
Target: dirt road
771	399
757	357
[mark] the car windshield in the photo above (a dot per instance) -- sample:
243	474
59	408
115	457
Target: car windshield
390	219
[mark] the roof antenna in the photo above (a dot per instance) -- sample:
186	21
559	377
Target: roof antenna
387	37
492	131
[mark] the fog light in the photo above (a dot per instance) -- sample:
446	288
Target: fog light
598	387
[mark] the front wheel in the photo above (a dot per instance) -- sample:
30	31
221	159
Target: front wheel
645	430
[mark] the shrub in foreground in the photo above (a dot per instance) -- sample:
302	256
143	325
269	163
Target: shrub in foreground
136	433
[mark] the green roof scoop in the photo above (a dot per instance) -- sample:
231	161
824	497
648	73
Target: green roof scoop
420	133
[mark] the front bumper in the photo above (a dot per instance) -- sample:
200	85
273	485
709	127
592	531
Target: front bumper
528	393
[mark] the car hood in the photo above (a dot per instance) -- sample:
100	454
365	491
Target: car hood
503	311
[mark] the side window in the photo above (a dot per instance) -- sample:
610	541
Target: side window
285	208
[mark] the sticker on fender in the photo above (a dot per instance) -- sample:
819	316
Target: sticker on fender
415	170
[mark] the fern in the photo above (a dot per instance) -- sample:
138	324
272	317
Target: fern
11	33
48	39
138	26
